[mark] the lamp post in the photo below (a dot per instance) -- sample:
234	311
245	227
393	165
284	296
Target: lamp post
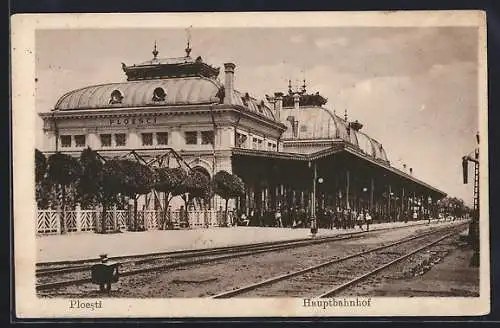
314	225
365	190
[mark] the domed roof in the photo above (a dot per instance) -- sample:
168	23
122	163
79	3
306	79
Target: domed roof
162	82
157	92
316	123
186	91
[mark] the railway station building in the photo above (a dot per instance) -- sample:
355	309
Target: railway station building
289	149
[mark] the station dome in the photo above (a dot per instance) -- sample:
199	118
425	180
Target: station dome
179	91
318	123
162	82
307	119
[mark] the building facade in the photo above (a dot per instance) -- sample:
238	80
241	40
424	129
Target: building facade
289	149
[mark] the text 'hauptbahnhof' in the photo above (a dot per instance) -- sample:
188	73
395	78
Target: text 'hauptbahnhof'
290	151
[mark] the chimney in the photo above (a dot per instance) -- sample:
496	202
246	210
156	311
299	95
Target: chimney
404	167
229	83
296	101
411	171
278	104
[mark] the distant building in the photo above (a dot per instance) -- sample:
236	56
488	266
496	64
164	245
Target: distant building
286	147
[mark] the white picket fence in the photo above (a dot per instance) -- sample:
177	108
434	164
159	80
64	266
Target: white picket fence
49	221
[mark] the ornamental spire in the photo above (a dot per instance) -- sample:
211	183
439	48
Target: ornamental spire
155	51
345	115
188	47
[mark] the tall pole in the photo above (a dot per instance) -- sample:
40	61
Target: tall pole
314	228
474	225
389	203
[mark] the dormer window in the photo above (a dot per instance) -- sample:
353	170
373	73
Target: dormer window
159	94
116	97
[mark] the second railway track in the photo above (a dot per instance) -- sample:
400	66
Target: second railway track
331	277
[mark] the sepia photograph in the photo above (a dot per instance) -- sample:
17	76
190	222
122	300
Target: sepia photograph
237	164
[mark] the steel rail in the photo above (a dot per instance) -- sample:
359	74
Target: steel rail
239	251
250	287
78	266
196	253
382	267
243	252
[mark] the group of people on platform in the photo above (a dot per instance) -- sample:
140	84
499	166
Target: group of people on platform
327	218
298	217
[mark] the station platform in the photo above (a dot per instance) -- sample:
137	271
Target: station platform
88	245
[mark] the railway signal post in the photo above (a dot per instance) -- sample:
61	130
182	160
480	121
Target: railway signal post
474	225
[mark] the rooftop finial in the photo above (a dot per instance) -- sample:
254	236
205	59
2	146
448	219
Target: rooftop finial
304	86
155	51
345	115
290	91
188	48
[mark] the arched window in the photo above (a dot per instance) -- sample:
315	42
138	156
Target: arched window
159	94
116	97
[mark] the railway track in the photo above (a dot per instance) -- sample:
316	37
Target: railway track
78	272
331	277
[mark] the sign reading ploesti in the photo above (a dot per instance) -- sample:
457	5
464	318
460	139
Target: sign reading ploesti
80	304
133	121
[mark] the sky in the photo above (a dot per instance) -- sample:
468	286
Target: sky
413	88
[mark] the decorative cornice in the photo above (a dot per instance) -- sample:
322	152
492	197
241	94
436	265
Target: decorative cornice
161	111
